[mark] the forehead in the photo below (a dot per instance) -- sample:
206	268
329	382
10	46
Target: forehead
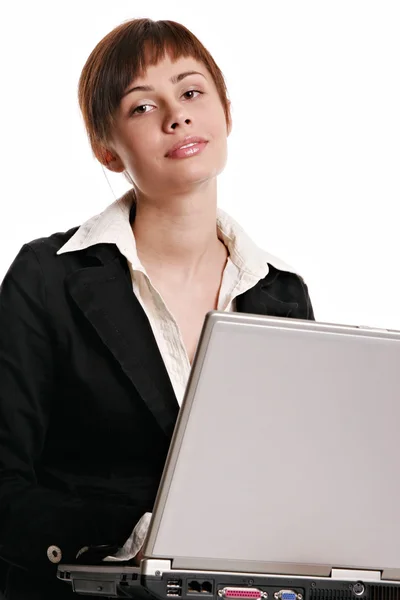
168	67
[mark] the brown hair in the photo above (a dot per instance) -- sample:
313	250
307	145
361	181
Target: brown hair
122	56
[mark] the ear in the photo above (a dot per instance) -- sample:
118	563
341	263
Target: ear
112	161
229	126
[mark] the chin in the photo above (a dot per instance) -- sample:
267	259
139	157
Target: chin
197	171
198	177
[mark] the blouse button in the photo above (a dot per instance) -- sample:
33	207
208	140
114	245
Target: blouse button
54	554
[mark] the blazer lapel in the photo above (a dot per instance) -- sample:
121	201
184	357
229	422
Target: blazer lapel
103	292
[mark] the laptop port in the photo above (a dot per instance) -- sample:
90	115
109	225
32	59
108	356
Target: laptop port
174	592
171	583
206	587
241	593
287	595
194	587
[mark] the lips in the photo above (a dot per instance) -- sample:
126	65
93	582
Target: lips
187	141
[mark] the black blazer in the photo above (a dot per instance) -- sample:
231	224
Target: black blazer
87	409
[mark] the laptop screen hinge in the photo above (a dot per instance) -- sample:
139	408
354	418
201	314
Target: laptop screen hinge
356	574
155	567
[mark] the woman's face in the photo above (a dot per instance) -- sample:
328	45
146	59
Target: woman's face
158	112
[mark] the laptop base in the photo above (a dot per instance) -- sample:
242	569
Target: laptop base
127	582
213	585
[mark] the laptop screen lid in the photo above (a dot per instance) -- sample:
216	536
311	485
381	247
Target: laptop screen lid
285	455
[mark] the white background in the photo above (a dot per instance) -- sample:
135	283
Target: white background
313	168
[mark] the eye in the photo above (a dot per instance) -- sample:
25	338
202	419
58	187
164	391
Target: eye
138	110
192	92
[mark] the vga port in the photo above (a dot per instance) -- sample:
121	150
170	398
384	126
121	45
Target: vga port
287	595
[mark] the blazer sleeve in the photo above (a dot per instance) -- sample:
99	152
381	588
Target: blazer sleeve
32	517
308	308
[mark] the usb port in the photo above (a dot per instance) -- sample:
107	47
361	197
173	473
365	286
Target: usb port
174	592
171	583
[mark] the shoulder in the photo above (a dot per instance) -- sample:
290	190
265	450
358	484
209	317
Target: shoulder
36	260
288	287
47	247
283	276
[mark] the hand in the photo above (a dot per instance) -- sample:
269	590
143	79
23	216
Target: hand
139	557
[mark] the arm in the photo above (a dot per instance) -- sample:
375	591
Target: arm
32	517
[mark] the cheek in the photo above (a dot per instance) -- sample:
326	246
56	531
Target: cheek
139	149
221	134
218	122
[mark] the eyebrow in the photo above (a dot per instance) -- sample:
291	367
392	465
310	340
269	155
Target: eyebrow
174	79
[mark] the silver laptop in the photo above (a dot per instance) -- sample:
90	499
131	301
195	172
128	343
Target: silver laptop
282	478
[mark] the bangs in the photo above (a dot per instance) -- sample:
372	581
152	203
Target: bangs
168	41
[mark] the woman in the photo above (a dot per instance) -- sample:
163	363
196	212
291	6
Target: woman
99	325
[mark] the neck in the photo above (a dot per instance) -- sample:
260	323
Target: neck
178	233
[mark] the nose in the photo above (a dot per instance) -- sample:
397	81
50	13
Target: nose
176	117
175	125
